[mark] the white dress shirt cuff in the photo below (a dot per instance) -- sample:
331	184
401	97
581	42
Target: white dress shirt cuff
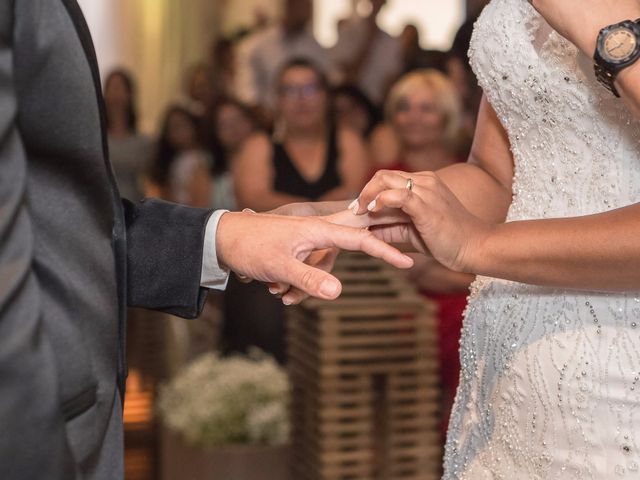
213	275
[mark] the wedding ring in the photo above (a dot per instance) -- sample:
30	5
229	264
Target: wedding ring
409	184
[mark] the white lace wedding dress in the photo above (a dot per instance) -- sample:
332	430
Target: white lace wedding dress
550	381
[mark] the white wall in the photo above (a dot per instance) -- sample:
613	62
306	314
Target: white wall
101	17
156	40
437	20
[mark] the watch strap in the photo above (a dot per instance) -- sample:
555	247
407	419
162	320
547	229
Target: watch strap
607	79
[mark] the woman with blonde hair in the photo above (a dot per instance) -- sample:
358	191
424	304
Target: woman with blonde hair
424	112
422	132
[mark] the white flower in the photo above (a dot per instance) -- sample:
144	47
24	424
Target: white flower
218	401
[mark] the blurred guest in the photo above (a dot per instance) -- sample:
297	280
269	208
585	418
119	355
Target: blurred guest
368	56
180	168
459	71
129	150
223	71
422	131
353	109
262	55
233	124
414	56
310	158
199	89
424	111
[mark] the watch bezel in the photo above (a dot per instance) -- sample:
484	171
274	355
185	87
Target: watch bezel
610	64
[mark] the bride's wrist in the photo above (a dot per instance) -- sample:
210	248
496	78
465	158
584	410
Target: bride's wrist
478	258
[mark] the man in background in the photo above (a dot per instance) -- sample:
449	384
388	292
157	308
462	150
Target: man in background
366	55
262	55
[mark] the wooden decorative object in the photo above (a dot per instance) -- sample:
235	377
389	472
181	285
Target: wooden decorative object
364	373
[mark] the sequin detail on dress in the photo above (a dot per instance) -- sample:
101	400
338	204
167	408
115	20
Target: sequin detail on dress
550	381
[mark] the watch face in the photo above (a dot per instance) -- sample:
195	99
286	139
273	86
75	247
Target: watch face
619	45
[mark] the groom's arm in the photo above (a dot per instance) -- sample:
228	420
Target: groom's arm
165	257
174	251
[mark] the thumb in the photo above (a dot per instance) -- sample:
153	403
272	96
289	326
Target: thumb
313	281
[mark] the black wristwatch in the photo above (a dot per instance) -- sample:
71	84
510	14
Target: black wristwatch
618	47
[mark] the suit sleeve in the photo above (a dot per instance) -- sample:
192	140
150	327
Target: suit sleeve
33	439
165	246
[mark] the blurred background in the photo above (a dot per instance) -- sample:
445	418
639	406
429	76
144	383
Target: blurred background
256	104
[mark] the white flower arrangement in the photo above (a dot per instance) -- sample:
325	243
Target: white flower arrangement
224	401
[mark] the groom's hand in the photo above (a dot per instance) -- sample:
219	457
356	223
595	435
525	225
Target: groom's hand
273	249
310	209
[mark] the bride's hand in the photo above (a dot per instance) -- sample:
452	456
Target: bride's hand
442	225
392	225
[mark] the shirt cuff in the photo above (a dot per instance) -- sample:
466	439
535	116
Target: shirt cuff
213	275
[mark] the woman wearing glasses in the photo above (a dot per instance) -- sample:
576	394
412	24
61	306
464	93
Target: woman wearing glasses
308	158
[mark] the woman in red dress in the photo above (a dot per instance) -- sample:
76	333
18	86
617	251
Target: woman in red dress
423	113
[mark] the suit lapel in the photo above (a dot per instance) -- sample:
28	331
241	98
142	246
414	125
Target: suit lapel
119	228
84	35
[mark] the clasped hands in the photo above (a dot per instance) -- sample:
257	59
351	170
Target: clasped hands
293	248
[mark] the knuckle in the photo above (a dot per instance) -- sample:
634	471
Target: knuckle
366	235
429	179
307	279
379	176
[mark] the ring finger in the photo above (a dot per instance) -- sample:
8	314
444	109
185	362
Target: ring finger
383	180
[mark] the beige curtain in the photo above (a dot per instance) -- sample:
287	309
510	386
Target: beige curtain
155	39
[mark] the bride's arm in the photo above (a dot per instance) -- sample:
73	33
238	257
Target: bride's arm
597	252
484	183
580	21
459	214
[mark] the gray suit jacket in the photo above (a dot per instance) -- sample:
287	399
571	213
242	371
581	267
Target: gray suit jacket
72	256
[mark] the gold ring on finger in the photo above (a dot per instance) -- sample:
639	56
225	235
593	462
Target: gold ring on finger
409	185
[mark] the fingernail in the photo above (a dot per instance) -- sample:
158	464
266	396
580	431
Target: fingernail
273	291
287	302
328	288
371	206
355	206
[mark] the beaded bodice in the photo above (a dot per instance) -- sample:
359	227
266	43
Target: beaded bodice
576	148
550	379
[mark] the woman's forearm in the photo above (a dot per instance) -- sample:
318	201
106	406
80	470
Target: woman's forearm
478	191
597	252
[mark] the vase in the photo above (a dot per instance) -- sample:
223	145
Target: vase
181	461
